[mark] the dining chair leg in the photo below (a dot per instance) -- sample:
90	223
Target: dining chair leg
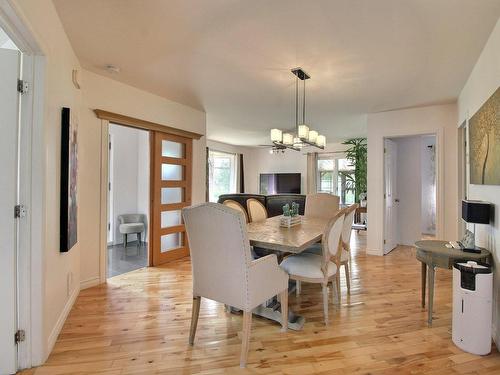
194	318
337	286
347	277
325	302
245	343
297	287
284	310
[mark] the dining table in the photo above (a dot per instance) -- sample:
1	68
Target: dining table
270	235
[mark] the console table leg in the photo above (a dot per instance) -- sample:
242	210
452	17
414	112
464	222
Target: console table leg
424	277
431	294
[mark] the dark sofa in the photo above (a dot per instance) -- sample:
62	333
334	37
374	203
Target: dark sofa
273	203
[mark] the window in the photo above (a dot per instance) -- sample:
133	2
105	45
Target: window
221	174
336	176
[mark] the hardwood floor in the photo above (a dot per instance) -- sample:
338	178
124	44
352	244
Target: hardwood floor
139	324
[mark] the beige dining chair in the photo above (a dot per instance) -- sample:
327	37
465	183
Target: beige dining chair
256	210
224	271
320	269
322	205
236	206
345	256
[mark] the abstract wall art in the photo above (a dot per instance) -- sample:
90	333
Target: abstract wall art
69	176
484	143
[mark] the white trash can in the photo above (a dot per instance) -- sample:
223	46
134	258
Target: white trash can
472	306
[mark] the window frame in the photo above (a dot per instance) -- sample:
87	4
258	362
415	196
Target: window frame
233	183
335	176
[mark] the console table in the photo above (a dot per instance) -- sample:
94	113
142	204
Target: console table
432	254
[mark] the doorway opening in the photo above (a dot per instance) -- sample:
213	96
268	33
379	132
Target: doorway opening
128	199
410	190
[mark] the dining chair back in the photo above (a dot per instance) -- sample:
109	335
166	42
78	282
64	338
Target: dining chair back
345	255
223	269
322	205
347	227
332	239
256	210
236	206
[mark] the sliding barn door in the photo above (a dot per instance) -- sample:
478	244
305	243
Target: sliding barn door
172	164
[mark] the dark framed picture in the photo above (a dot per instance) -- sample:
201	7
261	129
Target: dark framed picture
69	176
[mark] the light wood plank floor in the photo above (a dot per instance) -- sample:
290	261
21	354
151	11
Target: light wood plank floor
139	322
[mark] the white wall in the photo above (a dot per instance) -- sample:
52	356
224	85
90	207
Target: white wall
408	186
482	83
130	179
440	120
428	179
143	178
65	272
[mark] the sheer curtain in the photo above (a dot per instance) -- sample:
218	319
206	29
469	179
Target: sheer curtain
312	172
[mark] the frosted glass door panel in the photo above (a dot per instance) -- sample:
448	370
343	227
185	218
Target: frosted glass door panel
171	241
171	218
172	172
171	195
172	149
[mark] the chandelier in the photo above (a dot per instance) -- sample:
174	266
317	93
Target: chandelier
303	136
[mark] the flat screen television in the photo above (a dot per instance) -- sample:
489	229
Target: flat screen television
279	183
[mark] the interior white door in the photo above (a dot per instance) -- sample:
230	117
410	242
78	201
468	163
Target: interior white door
390	196
9	104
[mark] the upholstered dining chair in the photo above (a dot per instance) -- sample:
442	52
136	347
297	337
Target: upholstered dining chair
236	206
256	210
345	255
224	271
321	205
320	269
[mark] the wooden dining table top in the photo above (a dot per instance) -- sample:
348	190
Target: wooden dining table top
268	234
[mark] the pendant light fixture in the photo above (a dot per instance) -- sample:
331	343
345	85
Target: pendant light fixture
303	136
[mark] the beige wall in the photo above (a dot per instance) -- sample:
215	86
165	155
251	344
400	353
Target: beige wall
63	272
482	83
440	120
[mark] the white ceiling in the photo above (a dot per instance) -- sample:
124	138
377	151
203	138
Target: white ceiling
232	58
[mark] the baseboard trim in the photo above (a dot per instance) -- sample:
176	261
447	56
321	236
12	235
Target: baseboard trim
60	321
93	281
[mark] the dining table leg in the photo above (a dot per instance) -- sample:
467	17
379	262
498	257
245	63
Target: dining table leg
431	294
424	279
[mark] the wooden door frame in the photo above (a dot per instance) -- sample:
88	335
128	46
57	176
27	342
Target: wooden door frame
106	118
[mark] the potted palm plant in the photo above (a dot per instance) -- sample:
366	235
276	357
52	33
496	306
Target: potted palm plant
356	154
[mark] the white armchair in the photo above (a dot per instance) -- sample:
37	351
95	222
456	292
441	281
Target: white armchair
223	268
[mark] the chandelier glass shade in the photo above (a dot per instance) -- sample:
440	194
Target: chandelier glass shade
303	136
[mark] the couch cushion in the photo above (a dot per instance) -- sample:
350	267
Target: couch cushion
306	265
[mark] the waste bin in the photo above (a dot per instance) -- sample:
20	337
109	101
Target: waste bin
472	306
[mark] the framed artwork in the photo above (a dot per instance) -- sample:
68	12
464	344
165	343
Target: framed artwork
484	141
69	176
